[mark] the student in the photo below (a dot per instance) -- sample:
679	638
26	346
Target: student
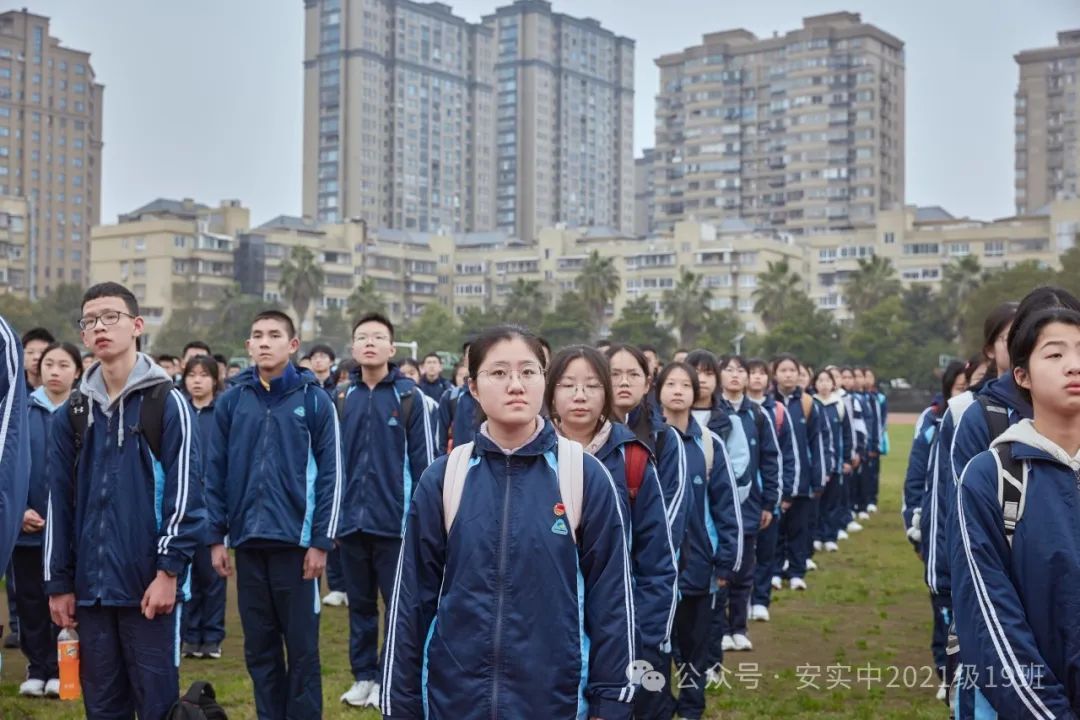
14	454
759	492
710	415
168	363
235	368
804	428
458	414
853	406
322	363
580	396
193	349
491	606
222	368
653	358
34	342
879	416
389	440
410	369
712	547
918	482
461	375
832	511
87	360
204	613
679	355
274	487
1015	539
123	519
60	367
432	383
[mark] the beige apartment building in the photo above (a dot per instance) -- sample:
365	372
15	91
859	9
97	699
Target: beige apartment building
50	147
14	246
398	116
1048	124
564	121
803	132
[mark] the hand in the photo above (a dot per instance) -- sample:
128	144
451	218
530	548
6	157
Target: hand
32	522
160	597
856	462
314	563
766	519
847	468
873	454
721	583
219	558
785	505
62	610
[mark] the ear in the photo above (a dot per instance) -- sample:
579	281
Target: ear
393	349
139	324
1022	379
473	389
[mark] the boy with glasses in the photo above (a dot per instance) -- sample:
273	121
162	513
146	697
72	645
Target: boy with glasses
389	433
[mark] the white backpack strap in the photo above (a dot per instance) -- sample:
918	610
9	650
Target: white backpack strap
571	463
1012	487
709	450
457	468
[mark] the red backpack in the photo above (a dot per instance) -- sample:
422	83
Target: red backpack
637	459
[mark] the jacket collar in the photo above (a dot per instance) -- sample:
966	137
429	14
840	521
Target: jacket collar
1029	443
543	440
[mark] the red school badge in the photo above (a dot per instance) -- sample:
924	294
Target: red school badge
559	509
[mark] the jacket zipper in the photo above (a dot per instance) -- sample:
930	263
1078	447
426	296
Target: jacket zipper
503	539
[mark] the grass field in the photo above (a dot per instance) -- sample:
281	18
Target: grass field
856	645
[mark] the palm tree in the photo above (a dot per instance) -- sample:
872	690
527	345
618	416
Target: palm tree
961	278
598	283
301	283
687	306
365	298
874	281
526	303
777	289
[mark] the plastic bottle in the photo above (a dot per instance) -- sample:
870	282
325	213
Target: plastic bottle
67	650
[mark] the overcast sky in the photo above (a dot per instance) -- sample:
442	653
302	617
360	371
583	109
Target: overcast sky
203	98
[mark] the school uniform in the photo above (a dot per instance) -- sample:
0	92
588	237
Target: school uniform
116	516
767	559
434	389
833	515
1015	602
810	458
470	636
274	486
457	418
14	441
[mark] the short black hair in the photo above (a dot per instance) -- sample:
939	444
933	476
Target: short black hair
38	334
953	370
71	350
376	318
220	359
196	345
547	348
648	348
280	317
679	350
783	358
1024	335
164	357
324	349
209	366
1041	298
112	289
695	384
411	362
433	355
602	343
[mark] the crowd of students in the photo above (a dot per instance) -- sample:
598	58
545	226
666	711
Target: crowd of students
619	516
990	502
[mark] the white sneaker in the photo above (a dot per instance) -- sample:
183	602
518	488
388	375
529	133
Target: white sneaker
798	584
742	643
871	508
359	694
864	515
33	688
943	692
810	565
759	613
712	678
727	643
777	582
831	546
854	527
817	546
336	598
373	697
842	535
52	688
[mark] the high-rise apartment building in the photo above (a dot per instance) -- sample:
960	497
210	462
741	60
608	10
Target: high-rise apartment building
644	192
802	132
398	116
50	147
1048	124
564	121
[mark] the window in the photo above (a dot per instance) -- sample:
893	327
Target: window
994	248
922	249
959	249
139	268
140	244
178	241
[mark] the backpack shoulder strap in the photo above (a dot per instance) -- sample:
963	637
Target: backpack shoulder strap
781	415
407	402
996	414
457	468
1012	487
78	410
709	450
571	464
636	459
152	415
341	394
807	405
198	690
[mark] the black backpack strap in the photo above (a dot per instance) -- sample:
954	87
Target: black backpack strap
198	690
341	393
79	417
996	414
1012	482
407	402
152	415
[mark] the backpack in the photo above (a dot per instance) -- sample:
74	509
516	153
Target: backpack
1012	487
781	415
636	459
807	405
406	403
706	447
151	417
200	703
571	464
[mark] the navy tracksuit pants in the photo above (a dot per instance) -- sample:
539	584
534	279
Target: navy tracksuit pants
831	510
768	563
204	614
279	612
370	564
335	574
693	618
732	604
13	612
796	529
37	636
655	704
873	480
128	664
